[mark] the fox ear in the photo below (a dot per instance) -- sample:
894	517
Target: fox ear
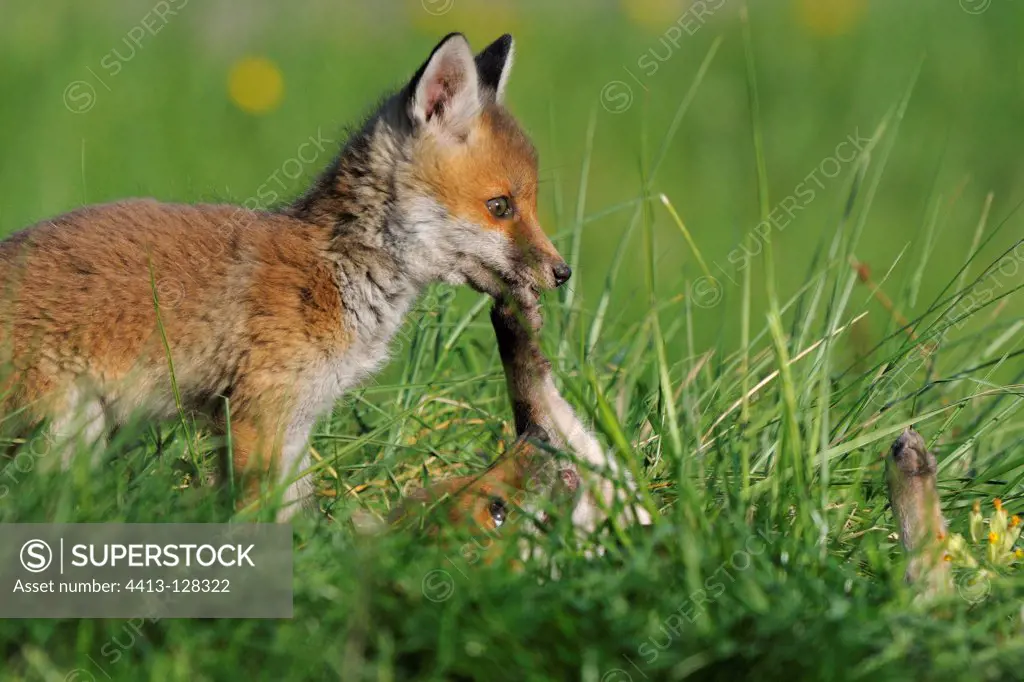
446	90
494	64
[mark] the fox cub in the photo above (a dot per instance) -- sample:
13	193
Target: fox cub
291	307
526	474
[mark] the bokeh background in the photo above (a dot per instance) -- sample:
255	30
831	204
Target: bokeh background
245	101
189	100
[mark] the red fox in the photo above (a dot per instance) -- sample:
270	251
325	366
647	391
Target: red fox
291	307
526	473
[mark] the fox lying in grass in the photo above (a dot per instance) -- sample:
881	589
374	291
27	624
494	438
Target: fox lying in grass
527	473
292	307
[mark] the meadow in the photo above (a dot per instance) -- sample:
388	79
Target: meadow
795	231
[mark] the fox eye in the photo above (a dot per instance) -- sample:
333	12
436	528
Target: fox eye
500	207
498	511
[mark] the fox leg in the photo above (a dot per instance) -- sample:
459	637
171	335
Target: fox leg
264	454
251	457
539	406
295	459
77	421
86	424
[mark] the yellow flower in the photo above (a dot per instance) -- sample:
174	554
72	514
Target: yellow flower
957	551
256	85
1000	522
1012	533
977	523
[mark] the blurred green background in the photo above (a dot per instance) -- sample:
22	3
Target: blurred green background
217	100
186	100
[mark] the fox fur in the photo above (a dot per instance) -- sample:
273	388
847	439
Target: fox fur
526	471
279	312
911	479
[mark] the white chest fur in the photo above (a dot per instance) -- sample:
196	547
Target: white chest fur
327	381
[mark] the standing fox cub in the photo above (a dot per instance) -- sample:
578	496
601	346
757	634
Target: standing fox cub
291	307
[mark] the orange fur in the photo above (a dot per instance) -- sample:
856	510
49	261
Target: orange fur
247	304
496	160
141	308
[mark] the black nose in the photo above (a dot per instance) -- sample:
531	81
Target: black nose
562	274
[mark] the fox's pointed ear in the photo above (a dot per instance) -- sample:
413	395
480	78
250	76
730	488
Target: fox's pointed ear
494	64
445	92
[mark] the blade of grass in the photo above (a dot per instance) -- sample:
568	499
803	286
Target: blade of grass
763	210
686	233
684	105
179	406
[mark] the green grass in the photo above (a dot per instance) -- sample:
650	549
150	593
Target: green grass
772	556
